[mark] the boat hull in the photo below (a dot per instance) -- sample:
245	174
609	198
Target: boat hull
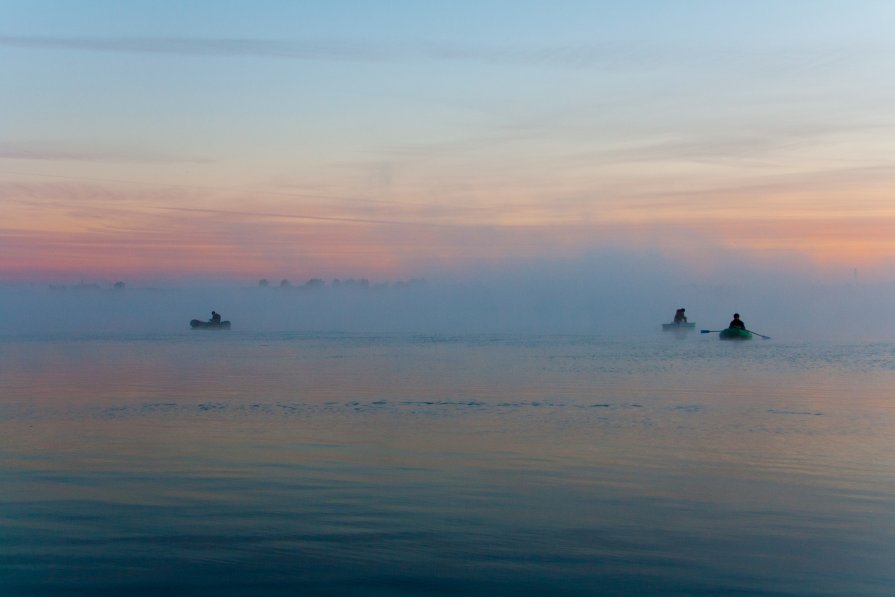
678	327
735	334
197	324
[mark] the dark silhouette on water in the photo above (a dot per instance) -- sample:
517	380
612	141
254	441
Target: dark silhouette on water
736	331
214	323
680	323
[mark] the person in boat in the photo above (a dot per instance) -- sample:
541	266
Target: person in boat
737	322
215	317
680	317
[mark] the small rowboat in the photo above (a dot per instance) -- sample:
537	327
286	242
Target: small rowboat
674	327
209	325
735	334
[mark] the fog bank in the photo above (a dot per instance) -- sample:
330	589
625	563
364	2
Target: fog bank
543	303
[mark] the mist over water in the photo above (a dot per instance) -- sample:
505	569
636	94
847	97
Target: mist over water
604	303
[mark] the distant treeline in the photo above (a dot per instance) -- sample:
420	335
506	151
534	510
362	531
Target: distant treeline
360	283
86	286
311	284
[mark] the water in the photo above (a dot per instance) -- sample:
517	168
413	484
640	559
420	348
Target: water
235	463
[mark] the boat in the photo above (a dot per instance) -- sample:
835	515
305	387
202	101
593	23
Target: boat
197	324
674	327
735	334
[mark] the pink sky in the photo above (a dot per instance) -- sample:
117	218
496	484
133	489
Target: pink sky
255	145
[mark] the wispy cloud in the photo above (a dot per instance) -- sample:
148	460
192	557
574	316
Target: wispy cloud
621	55
90	199
281	216
301	50
51	152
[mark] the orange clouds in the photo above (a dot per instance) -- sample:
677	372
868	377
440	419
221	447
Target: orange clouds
89	231
190	245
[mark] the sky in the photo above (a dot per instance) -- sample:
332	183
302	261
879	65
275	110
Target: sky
229	140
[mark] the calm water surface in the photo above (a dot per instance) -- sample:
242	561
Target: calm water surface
238	463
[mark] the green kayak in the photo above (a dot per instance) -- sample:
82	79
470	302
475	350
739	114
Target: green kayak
735	334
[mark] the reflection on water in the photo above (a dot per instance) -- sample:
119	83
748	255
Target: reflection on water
280	464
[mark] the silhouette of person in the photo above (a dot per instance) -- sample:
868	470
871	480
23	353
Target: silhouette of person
215	317
679	316
737	322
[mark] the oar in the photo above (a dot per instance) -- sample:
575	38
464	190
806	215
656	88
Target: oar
757	334
709	331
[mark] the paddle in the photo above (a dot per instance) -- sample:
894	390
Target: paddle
750	331
760	335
